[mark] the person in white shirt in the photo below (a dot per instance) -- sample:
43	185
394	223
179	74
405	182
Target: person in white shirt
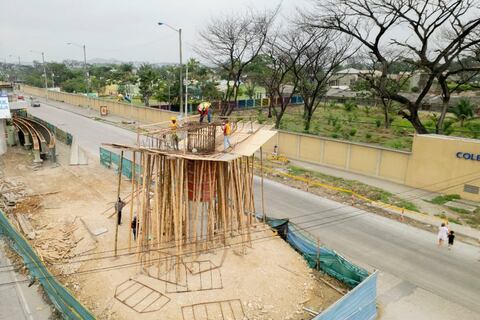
442	234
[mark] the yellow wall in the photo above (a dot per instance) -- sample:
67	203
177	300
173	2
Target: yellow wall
124	110
432	165
355	157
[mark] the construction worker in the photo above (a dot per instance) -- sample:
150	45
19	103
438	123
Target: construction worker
118	208
134	228
227	131
173	128
203	110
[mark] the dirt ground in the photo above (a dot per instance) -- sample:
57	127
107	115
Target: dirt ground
75	237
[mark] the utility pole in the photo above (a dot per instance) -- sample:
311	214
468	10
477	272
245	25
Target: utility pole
181	72
87	80
186	91
179	30
85	71
45	75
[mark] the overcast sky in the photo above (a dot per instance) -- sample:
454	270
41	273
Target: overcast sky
118	29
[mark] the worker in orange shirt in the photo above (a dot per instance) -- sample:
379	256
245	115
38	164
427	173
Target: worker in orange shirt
227	131
173	129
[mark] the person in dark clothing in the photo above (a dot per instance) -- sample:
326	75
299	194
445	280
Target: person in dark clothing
451	238
134	228
118	208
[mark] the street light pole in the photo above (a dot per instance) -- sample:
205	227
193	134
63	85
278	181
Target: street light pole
87	80
180	93
44	72
181	73
85	71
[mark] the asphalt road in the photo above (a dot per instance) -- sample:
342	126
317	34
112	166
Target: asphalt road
405	252
17	300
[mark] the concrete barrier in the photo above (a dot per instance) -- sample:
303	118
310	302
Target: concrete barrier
437	163
124	110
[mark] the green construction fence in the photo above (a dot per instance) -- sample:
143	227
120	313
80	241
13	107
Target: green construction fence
62	299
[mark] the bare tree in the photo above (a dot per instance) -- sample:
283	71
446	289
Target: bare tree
316	65
282	52
431	33
232	42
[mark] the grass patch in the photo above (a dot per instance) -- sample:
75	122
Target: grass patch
365	190
453	220
444	199
441	216
459	210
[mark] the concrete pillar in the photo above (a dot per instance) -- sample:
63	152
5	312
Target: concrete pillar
53	154
36	156
11	136
3	137
27	144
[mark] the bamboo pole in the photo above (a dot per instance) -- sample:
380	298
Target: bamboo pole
261	186
120	168
132	199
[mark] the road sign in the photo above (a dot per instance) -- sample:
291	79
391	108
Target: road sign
4	108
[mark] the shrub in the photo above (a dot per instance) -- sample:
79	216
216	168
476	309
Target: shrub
415	89
334	135
396	144
367	109
261	117
444	199
337	127
352	132
368	135
474	128
350	105
378	123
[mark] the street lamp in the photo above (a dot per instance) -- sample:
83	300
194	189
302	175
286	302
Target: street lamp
44	71
87	82
179	30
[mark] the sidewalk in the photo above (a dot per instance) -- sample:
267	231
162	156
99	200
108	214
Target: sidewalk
408	193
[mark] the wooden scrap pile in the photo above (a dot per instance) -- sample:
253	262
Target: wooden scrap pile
55	243
11	193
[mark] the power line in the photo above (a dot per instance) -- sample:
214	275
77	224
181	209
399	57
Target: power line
295	218
138	263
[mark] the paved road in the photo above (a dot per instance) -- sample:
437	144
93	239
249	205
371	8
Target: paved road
18	301
418	280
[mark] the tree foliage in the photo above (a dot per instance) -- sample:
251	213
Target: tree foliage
440	33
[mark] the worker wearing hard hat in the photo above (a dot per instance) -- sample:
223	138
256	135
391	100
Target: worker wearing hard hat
173	129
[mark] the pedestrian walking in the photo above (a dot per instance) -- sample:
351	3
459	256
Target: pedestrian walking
134	228
118	208
227	131
451	238
442	234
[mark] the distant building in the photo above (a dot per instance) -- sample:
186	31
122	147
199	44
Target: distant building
348	77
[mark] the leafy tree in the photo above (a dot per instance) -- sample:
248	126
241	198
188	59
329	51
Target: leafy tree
463	110
442	33
148	79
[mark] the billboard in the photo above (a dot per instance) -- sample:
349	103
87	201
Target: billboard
4	107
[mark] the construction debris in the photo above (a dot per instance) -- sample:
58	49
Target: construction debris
26	226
